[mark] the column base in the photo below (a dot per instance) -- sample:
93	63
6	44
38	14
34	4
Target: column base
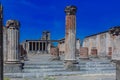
12	67
84	58
71	65
55	58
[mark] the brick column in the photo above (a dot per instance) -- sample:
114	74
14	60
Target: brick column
94	53
13	56
70	38
84	53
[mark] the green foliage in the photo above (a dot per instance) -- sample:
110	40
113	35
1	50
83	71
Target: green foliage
49	78
6	79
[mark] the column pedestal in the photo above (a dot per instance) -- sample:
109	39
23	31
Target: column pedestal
12	67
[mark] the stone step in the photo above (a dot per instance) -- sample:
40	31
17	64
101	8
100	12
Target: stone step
97	68
43	66
61	66
61	69
63	73
60	63
54	65
43	70
90	63
44	63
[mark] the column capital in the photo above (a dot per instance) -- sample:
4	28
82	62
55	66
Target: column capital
71	10
115	31
12	24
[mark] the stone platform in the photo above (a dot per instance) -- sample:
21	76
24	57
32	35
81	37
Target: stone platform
40	66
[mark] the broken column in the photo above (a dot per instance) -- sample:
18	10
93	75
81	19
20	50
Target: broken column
12	63
70	38
55	53
115	34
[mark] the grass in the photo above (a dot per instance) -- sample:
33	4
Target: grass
49	78
6	79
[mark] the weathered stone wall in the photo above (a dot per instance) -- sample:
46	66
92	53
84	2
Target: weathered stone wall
101	42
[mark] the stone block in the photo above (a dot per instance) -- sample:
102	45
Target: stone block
12	68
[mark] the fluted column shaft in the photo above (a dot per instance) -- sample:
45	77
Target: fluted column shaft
13	42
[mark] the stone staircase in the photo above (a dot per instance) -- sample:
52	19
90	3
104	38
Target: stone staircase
36	68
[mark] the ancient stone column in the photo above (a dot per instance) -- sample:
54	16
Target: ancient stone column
77	47
70	38
13	54
48	47
1	43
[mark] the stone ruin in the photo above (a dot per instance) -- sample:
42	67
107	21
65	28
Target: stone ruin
95	46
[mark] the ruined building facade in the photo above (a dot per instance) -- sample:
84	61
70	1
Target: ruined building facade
101	42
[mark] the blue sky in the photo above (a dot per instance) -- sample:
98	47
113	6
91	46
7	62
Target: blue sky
35	16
